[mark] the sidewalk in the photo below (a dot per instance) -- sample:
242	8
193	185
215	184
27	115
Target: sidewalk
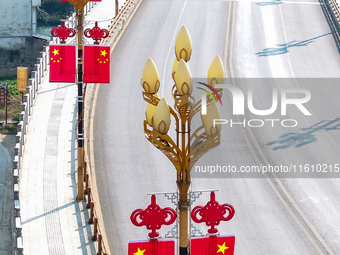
52	221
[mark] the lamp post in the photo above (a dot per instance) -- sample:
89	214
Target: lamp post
96	34
79	7
187	147
116	7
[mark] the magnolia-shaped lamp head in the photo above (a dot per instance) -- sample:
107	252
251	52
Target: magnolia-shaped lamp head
216	72
150	79
209	120
183	45
150	112
161	118
183	78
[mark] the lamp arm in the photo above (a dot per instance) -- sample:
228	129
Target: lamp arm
166	145
201	144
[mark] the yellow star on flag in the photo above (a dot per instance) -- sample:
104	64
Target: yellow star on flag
55	52
103	53
222	248
139	252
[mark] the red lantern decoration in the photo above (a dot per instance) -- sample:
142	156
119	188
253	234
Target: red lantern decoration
63	32
96	33
212	213
153	217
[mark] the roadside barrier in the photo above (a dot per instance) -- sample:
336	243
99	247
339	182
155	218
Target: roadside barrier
331	10
336	10
27	107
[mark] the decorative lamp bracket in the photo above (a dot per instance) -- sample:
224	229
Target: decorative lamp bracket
153	217
212	213
96	33
63	32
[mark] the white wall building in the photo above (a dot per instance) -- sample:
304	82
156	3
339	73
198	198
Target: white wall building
19	44
18	20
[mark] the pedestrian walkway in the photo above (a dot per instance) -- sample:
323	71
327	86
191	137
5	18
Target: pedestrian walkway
53	222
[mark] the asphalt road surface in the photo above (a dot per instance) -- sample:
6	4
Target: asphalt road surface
290	41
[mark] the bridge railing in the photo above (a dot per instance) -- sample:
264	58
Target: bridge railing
331	10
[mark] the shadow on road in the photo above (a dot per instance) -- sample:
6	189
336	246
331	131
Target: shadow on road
306	136
267	3
284	48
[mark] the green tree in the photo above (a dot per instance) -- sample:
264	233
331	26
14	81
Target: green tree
52	11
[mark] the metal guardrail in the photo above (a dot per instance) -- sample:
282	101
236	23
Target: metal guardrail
115	28
336	9
331	10
26	111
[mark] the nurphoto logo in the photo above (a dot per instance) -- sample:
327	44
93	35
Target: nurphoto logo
204	99
297	97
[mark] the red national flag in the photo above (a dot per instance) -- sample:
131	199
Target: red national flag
213	245
63	63
97	64
145	247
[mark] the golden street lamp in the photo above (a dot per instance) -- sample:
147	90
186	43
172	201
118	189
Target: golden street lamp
187	147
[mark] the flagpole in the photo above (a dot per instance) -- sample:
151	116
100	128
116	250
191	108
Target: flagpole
79	6
80	17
